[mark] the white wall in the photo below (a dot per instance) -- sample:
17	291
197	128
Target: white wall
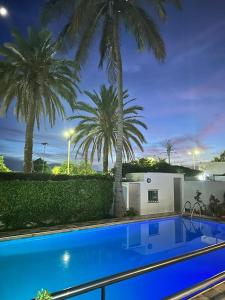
206	188
164	183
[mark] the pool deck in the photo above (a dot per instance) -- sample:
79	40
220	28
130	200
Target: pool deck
30	232
217	292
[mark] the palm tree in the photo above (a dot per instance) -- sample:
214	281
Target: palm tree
31	74
96	131
169	145
85	18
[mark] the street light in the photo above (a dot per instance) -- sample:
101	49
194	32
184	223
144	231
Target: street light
44	144
3	12
68	135
194	153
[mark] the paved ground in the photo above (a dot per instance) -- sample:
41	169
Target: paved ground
10	235
215	293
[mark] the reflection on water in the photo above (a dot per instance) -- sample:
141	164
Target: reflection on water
59	261
154	237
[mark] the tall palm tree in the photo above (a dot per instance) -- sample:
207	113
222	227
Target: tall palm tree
169	145
96	131
85	18
31	74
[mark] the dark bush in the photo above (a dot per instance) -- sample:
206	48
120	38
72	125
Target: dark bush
36	203
151	165
46	177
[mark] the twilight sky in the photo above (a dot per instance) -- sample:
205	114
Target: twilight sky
183	98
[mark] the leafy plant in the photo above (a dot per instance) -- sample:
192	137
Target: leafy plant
131	212
155	165
97	129
220	158
3	167
213	205
79	168
105	20
43	295
41	166
39	203
32	76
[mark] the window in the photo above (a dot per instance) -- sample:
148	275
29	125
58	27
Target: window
153	196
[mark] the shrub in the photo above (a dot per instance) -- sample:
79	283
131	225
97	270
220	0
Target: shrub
43	295
78	168
46	177
155	165
3	167
36	203
41	166
131	212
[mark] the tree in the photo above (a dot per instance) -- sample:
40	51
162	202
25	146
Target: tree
81	168
220	158
41	166
84	19
169	145
3	167
31	74
97	129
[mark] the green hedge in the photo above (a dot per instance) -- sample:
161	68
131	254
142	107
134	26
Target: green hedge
46	177
38	203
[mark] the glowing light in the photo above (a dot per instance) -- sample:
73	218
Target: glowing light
68	133
66	258
201	177
3	11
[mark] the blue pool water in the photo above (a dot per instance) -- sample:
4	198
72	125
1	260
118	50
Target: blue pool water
59	261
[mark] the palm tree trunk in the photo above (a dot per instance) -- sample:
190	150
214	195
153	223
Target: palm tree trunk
28	148
118	200
105	156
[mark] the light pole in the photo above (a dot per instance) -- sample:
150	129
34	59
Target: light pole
44	147
194	153
68	134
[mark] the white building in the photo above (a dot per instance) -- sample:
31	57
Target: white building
150	193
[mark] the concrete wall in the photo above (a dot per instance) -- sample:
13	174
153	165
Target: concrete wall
164	183
206	188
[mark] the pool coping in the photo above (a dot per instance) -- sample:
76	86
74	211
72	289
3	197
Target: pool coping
42	231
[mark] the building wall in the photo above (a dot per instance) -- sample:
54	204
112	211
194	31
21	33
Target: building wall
164	183
217	188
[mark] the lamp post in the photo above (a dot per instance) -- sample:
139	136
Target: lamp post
194	153
68	135
44	148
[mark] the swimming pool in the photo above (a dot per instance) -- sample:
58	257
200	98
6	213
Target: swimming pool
59	261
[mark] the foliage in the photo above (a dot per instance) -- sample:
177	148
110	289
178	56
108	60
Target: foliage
41	166
78	168
31	73
3	167
45	177
40	203
220	158
105	20
56	170
155	165
213	207
43	295
131	212
96	132
169	145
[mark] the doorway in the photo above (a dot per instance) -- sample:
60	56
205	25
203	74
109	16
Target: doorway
177	194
